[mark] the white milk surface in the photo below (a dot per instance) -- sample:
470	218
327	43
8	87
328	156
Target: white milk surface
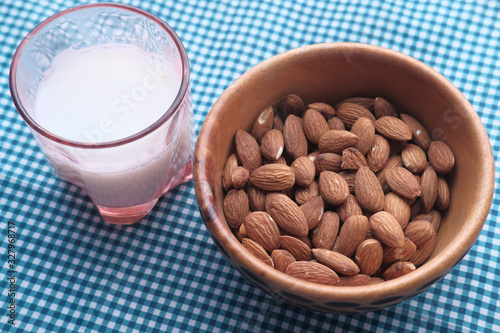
103	93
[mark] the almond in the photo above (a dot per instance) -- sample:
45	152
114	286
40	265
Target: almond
368	190
397	207
256	198
257	251
313	272
305	239
236	207
335	141
299	249
313	211
273	177
419	133
403	182
418	178
415	208
396	147
393	161
375	280
326	110
227	173
290	192
369	233
379	153
398	269
352	159
314	125
419	231
369	256
325	233
239	177
335	123
352	233
282	259
241	232
414	158
312	155
281	160
350	112
291	105
272	145
263	123
441	157
354	280
434	217
366	102
382	107
429	188
248	150
305	193
304	170
443	194
387	229
424	251
336	261
328	162
348	208
404	253
261	228
294	137
393	128
350	178
277	123
333	188
364	129
287	214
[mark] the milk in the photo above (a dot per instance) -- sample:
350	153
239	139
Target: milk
109	92
104	93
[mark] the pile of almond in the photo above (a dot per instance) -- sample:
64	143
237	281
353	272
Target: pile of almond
348	194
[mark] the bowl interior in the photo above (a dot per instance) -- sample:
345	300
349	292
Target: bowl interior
329	73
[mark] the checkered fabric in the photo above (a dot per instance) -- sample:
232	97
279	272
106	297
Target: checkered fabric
76	273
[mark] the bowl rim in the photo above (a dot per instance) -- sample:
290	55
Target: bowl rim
426	275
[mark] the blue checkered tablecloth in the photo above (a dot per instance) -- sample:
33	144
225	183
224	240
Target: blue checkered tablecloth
76	273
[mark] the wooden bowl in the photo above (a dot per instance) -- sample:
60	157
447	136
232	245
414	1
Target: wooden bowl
328	73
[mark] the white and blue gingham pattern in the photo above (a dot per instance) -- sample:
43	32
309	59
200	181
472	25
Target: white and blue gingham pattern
78	274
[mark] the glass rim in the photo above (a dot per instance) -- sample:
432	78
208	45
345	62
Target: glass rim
174	106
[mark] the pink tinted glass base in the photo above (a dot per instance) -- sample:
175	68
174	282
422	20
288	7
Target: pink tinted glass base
132	214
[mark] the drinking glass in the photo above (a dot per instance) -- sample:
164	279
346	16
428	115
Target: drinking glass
123	177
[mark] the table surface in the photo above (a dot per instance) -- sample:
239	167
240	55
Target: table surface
76	273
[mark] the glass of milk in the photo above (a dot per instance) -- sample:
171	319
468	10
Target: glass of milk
105	91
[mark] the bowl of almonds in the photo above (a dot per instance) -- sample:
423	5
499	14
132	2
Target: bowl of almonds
343	177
